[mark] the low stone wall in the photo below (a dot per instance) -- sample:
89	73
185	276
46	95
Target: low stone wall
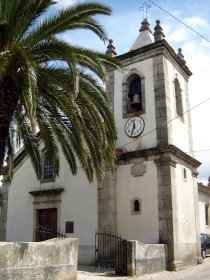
55	259
146	258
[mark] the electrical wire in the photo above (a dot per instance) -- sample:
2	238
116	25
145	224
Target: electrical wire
164	124
180	21
198	151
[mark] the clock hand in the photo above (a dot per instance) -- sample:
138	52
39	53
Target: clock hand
133	127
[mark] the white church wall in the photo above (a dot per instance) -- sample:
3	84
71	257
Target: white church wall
148	141
142	226
78	204
180	130
186	207
203	200
20	206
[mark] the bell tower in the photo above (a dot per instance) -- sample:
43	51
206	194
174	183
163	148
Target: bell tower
156	168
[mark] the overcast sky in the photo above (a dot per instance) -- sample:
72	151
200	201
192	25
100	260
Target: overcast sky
123	28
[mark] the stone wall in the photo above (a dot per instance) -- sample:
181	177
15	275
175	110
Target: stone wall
55	259
146	258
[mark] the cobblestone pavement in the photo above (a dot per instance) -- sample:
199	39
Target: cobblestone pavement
198	272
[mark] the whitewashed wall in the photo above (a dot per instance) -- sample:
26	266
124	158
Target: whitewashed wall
146	68
203	199
186	206
78	204
145	226
180	134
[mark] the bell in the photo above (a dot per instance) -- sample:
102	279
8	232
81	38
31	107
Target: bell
136	102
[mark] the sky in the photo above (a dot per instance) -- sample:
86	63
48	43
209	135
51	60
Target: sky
123	27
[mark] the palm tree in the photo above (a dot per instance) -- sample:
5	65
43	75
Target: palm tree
50	84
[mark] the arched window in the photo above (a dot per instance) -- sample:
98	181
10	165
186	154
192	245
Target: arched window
136	206
48	173
134	94
178	98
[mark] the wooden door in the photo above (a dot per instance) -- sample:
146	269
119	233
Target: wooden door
48	218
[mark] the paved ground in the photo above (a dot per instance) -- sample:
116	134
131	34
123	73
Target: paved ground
198	272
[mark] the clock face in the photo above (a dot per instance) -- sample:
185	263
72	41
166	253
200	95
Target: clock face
134	126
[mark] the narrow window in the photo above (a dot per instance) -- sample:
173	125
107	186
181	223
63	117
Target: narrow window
184	174
48	170
136	206
207	214
134	94
178	98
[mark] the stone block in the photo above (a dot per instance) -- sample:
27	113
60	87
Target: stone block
163	224
166	180
165	213
150	258
106	219
157	60
163	238
164	191
161	202
107	206
53	259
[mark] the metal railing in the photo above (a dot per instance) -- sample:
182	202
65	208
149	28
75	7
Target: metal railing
110	253
43	233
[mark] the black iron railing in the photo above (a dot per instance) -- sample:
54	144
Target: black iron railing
110	253
43	233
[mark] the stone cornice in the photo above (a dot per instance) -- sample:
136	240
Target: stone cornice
168	153
46	192
162	44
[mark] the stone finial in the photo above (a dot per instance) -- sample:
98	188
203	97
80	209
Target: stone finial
180	55
111	49
145	36
158	34
145	26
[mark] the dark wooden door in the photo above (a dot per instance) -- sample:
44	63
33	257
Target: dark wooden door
47	218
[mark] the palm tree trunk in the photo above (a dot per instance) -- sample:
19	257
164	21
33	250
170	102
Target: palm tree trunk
8	101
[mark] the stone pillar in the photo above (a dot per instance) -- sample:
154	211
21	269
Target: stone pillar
3	209
110	88
131	258
162	101
168	209
107	203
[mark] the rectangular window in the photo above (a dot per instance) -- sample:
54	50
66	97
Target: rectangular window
48	170
69	227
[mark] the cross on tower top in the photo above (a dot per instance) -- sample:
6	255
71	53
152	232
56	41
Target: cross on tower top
144	8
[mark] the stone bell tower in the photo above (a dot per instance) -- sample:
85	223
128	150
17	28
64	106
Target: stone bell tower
153	195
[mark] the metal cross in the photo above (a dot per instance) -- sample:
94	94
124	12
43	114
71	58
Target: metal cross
144	8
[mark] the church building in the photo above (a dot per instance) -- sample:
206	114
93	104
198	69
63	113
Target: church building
152	196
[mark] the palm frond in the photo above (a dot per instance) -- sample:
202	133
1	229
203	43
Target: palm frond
30	143
56	86
71	18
